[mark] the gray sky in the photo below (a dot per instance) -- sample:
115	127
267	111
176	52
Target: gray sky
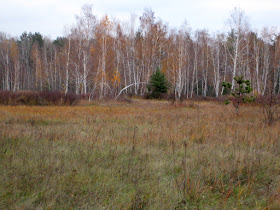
50	16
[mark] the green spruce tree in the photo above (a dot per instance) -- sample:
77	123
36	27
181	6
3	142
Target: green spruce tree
239	93
158	85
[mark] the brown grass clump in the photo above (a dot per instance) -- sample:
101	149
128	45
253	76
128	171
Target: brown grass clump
142	154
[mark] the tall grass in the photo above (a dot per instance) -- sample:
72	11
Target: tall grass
145	154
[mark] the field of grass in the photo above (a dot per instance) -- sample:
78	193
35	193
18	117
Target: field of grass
139	155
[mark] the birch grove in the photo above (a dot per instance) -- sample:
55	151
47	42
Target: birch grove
101	57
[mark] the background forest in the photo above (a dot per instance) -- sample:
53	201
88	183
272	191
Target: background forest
101	56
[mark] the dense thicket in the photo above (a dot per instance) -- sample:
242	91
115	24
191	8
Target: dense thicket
39	98
100	57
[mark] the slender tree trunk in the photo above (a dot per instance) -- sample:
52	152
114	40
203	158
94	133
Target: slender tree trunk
67	66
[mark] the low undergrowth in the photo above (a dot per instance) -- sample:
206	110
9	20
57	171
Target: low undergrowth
33	98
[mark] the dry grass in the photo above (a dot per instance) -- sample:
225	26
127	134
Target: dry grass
144	154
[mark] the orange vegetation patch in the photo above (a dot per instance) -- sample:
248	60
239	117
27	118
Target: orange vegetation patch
153	121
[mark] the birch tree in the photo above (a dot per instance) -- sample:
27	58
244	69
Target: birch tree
86	23
238	26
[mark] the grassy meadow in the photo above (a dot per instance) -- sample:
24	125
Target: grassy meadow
138	155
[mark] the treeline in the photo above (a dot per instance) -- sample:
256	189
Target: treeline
101	57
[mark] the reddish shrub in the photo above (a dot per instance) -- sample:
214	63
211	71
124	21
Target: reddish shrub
32	98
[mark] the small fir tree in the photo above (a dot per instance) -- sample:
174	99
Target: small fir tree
243	88
158	84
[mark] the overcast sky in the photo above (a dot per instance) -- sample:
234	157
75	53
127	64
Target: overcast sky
50	16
